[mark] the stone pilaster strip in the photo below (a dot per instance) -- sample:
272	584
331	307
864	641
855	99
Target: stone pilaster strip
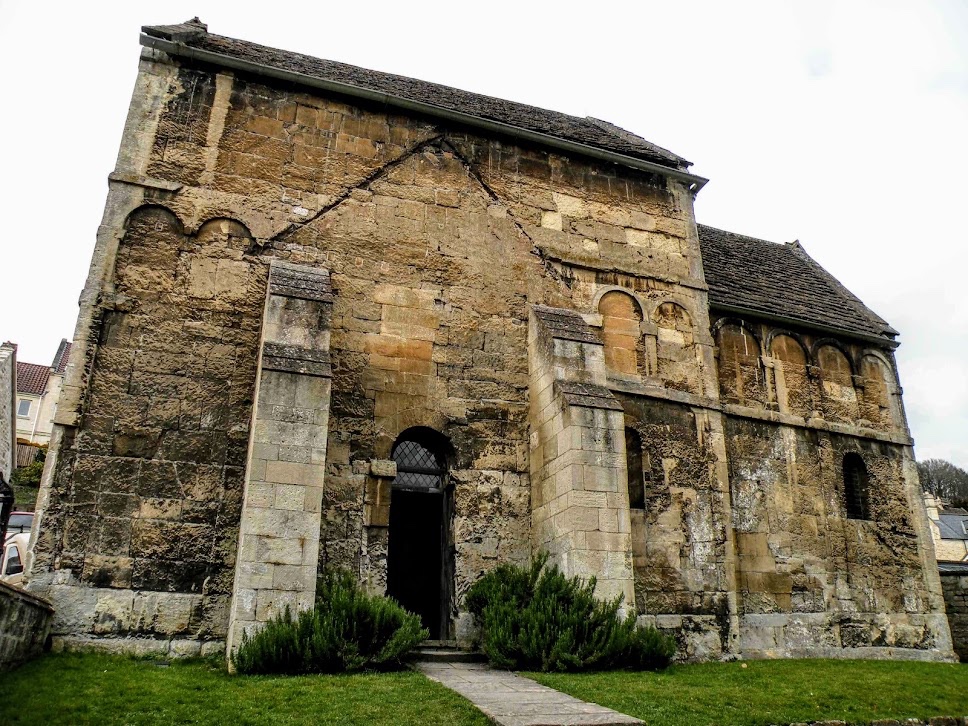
278	553
580	506
295	359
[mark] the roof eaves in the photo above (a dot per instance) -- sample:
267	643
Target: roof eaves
801	322
169	40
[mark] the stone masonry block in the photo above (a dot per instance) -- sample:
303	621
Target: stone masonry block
383	468
288	472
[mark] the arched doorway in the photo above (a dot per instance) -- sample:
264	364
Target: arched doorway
419	556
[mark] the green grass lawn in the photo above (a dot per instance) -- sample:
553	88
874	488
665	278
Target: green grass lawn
98	689
776	692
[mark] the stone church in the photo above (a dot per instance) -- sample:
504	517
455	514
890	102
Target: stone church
342	318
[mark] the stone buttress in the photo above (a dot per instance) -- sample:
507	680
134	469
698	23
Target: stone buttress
580	506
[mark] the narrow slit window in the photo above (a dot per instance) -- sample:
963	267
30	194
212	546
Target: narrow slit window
856	487
633	460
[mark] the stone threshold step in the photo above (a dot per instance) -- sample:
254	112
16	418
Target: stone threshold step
430	643
447	655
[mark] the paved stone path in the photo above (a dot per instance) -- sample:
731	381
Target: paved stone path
510	700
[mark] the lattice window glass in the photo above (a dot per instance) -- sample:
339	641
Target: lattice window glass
418	467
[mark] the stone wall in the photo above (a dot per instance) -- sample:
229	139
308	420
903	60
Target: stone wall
8	411
24	625
680	538
955	588
813	574
438	244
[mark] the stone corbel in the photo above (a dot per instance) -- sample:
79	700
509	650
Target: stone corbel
858	381
702	337
814	372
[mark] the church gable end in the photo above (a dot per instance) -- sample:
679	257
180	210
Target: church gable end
341	318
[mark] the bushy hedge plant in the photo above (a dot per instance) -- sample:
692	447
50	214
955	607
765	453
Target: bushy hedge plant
535	618
346	630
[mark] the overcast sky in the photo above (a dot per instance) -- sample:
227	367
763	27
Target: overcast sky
842	125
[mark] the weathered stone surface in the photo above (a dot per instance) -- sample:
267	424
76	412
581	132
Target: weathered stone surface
395	274
24	624
955	588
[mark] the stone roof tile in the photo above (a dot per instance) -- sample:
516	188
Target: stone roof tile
61	357
588	131
782	281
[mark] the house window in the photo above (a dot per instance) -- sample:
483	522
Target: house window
633	460
23	407
856	487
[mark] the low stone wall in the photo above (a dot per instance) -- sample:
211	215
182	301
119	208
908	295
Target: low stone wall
24	625
955	588
140	622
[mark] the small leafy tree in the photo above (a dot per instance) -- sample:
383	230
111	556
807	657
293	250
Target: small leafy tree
945	480
31	474
346	630
536	618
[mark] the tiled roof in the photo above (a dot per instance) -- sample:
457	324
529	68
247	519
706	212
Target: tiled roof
953	568
588	131
61	357
952	526
32	378
782	281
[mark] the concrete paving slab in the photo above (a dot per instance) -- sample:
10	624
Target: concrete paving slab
512	700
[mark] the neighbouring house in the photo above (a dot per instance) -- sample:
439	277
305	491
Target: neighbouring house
38	388
341	318
949	530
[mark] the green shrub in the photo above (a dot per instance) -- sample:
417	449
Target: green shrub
535	618
28	475
346	630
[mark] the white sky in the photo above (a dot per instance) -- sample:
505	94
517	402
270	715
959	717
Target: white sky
842	125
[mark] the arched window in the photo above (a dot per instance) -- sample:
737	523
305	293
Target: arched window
420	461
633	460
856	487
